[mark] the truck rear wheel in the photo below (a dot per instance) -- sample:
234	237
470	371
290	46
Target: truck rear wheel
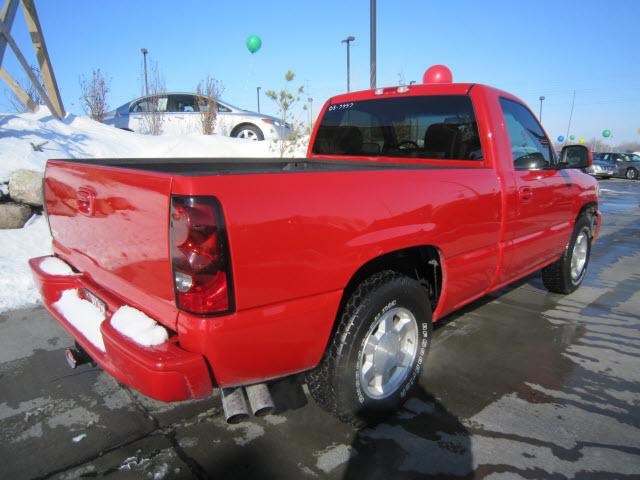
567	274
377	351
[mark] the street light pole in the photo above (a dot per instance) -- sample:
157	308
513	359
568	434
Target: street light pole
348	41
373	43
541	100
258	91
310	113
144	52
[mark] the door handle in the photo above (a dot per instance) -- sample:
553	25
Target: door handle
525	193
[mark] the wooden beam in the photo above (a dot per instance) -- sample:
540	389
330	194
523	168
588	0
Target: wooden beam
7	16
34	80
17	89
35	29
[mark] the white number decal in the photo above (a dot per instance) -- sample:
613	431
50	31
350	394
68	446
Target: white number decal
340	106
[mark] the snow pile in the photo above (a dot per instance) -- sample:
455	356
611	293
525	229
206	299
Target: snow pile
83	315
55	266
138	327
27	140
16	248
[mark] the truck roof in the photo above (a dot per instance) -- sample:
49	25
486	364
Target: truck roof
415	89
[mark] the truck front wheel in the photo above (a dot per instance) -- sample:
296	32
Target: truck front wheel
567	274
377	351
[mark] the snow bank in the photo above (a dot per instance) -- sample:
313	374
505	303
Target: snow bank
83	315
23	135
139	327
27	140
16	248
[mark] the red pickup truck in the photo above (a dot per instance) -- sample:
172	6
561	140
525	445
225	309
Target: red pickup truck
178	276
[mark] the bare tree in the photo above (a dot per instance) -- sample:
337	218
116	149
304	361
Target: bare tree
207	93
16	104
155	106
629	147
291	131
95	91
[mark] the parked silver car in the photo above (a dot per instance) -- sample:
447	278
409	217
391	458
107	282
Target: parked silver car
600	169
181	116
625	165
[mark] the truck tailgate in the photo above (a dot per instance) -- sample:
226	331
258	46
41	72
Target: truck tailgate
112	224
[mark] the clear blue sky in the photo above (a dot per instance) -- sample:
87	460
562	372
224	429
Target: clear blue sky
529	48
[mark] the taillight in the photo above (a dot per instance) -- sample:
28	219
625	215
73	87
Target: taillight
200	256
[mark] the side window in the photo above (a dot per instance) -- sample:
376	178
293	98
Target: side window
530	148
183	104
150	104
223	109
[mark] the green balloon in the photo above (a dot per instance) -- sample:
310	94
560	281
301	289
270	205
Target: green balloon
572	137
606	133
254	43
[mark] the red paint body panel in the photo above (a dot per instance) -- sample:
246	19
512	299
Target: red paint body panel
297	238
165	372
124	245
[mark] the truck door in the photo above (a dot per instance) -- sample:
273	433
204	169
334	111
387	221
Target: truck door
541	226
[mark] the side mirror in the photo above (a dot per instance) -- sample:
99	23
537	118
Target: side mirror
575	156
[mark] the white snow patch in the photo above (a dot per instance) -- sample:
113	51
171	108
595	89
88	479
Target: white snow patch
17	246
55	266
250	431
83	315
138	326
334	456
4	189
79	438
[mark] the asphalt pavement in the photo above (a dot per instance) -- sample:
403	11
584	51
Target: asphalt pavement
520	384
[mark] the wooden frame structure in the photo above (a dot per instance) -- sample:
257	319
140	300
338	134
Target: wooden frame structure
49	93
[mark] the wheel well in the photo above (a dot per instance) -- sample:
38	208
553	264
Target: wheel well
421	263
245	124
590	209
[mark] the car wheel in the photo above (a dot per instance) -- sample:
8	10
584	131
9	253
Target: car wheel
377	350
631	174
248	132
567	274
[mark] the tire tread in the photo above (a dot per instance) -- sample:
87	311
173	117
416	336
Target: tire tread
319	380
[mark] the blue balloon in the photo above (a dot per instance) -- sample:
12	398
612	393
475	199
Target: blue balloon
560	138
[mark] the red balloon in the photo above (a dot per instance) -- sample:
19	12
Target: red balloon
437	74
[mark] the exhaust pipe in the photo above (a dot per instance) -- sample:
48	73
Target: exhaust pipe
77	356
260	399
234	405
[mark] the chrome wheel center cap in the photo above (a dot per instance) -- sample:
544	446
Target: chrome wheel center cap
389	352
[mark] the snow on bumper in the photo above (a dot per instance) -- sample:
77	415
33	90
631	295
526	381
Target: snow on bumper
136	350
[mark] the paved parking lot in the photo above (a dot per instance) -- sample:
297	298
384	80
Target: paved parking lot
522	383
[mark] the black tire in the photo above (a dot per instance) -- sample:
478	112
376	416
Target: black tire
557	277
250	130
631	174
332	383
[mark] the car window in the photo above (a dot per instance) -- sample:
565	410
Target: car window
431	127
150	104
530	148
183	104
223	109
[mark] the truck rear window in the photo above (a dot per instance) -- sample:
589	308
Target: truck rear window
435	127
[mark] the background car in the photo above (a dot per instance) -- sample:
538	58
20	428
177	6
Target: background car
181	116
600	169
626	165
